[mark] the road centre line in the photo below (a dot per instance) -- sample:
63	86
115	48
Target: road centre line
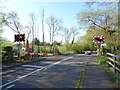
46	67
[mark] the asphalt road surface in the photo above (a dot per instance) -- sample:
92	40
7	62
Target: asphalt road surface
54	72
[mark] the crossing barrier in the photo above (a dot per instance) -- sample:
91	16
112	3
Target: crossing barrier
90	51
49	54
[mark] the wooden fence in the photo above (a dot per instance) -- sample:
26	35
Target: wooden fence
113	63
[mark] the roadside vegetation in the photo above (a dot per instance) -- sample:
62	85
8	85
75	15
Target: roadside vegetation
80	82
102	61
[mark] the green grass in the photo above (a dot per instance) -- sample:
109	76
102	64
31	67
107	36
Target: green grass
20	60
80	79
115	77
102	61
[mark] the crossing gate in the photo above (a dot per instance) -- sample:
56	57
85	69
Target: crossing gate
90	51
49	54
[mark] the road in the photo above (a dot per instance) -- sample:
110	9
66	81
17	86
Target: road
54	72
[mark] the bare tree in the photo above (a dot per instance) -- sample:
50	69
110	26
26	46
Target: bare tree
27	31
67	34
74	32
54	26
32	24
42	21
12	21
48	21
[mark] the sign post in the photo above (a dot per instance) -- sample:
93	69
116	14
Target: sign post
98	40
19	38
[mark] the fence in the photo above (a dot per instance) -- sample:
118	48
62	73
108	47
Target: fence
113	63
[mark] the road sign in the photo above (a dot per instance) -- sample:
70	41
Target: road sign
98	39
103	44
19	37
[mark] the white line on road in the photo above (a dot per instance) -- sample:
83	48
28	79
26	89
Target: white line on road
10	86
45	67
51	65
33	66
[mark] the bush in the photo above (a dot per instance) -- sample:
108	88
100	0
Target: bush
102	59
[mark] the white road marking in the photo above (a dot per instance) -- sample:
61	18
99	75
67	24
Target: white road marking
9	83
51	65
33	66
8	80
10	86
46	67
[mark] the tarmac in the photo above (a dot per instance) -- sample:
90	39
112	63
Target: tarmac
97	77
7	66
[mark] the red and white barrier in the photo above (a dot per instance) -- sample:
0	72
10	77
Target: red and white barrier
90	51
94	51
42	54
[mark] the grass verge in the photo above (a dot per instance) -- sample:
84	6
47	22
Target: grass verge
79	83
115	77
102	61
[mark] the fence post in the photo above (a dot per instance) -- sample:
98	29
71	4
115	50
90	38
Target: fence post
114	57
107	60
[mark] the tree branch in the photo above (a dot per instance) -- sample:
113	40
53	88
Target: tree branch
96	24
10	27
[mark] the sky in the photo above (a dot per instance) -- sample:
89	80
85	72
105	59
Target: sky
63	10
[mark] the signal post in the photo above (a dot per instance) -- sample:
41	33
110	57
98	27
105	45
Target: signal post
98	40
19	38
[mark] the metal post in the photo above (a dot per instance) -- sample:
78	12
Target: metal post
38	50
19	52
32	50
98	50
102	51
